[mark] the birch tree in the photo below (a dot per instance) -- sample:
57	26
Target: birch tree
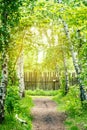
20	74
65	73
75	63
8	18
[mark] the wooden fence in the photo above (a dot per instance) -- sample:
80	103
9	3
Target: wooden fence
41	80
45	80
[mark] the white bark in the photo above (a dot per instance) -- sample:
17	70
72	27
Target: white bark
59	1
20	74
71	48
75	63
4	81
66	73
76	66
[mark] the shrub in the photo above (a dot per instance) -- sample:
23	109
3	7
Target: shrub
70	102
74	128
73	103
84	104
12	99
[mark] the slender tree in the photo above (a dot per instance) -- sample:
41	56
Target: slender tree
20	74
65	72
76	66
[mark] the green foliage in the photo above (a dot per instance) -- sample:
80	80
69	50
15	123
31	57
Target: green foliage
72	100
24	103
11	8
84	104
12	74
71	104
39	92
9	11
24	112
74	128
12	100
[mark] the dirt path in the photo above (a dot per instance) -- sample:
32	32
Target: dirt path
46	116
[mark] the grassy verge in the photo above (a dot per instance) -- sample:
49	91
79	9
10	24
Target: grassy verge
76	113
40	92
11	123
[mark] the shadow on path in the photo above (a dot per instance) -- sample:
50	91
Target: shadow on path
46	116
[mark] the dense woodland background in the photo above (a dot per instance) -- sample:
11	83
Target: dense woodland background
43	36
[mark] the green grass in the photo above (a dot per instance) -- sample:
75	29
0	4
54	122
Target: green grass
71	105
39	92
10	122
79	122
76	114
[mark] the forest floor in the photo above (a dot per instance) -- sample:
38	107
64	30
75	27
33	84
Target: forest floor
46	116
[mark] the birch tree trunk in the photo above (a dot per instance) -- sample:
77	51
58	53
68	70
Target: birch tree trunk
75	63
4	35
66	73
20	74
4	81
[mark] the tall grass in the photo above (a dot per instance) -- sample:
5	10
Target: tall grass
71	105
40	92
15	105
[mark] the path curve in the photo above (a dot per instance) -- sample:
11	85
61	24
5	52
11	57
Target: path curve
46	116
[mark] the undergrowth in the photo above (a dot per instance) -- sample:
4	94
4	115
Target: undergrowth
14	105
75	111
40	92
